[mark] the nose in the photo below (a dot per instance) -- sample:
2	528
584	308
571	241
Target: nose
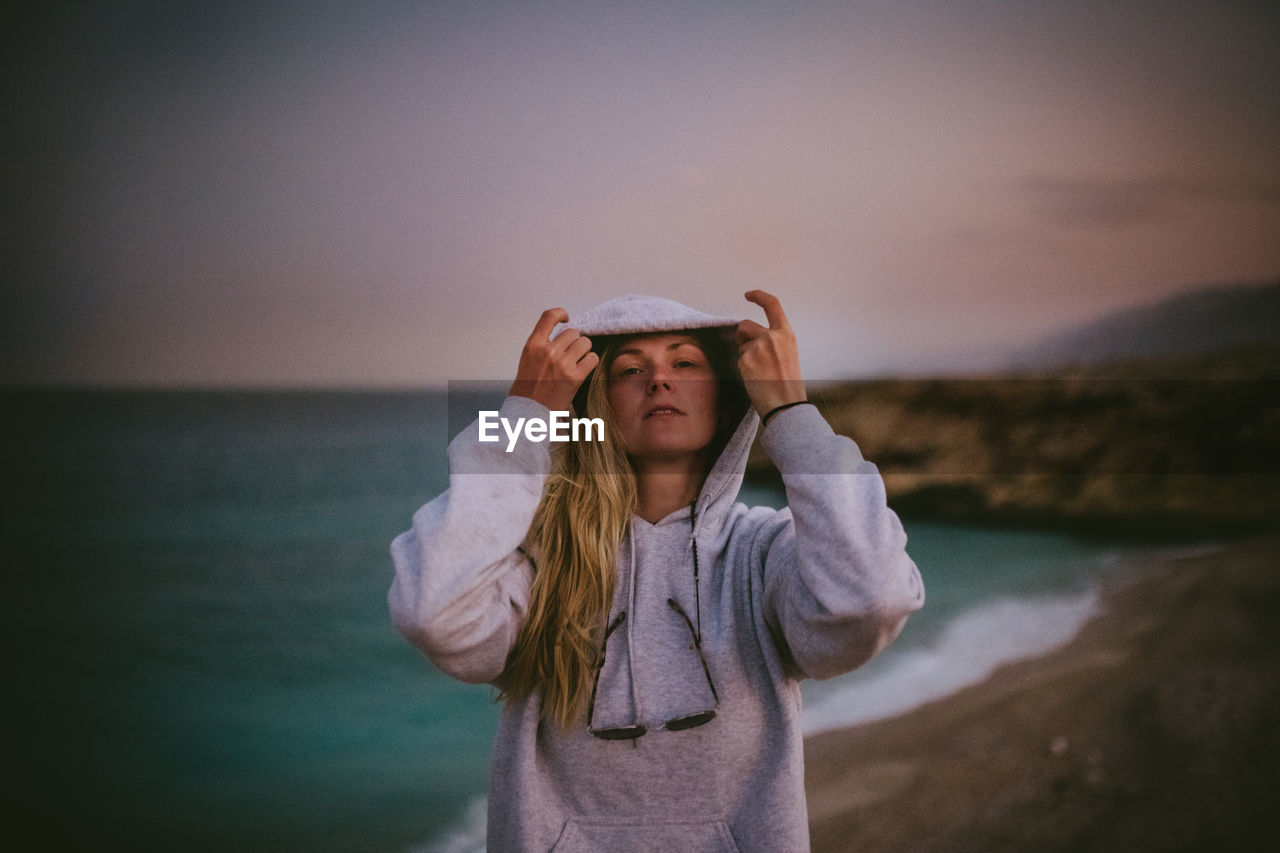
659	378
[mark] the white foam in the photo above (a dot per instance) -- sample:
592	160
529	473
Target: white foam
467	836
968	650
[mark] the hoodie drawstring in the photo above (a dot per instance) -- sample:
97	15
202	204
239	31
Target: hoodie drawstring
631	606
693	539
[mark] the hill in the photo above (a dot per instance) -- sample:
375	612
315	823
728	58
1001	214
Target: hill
1198	322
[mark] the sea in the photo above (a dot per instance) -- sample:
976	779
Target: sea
198	651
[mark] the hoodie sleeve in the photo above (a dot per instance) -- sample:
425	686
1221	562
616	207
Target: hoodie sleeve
462	582
838	582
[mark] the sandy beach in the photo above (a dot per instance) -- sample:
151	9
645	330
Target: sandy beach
1156	728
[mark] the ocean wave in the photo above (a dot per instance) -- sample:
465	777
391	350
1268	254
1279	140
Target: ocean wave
966	652
466	836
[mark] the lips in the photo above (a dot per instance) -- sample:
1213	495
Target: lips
663	412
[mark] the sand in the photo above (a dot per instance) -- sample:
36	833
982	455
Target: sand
1156	728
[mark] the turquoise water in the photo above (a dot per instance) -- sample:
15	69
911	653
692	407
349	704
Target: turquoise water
199	650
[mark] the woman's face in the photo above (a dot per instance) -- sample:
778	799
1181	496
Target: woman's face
662	390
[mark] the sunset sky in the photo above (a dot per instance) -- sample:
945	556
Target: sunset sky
389	193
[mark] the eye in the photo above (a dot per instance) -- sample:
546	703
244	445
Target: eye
629	371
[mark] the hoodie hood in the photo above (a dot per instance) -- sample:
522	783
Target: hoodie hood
634	315
720	489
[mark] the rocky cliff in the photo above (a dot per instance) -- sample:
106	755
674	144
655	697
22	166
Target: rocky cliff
1164	447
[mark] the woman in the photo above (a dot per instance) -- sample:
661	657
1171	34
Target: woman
648	633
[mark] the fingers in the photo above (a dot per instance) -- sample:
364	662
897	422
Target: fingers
767	357
749	330
585	365
577	348
565	342
551	369
772	308
566	338
547	322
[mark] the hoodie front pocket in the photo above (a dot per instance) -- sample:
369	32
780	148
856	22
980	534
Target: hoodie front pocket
626	836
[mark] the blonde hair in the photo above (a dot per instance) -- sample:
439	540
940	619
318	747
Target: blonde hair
577	530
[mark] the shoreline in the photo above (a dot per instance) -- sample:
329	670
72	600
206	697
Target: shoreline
1155	728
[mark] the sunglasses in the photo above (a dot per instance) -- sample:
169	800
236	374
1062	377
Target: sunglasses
687	721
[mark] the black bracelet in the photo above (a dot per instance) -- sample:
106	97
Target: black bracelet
764	422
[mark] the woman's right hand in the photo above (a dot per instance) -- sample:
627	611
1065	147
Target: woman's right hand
552	369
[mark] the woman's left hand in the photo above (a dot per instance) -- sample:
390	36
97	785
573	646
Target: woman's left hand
768	358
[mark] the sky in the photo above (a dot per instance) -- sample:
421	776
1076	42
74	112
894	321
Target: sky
388	194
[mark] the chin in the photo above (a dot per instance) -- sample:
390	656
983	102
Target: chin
668	450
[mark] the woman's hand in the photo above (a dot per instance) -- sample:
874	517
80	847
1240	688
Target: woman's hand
551	370
768	358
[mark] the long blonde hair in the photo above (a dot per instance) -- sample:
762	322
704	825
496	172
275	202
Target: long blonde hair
582	520
577	530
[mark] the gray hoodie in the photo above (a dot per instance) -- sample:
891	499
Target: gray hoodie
813	590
